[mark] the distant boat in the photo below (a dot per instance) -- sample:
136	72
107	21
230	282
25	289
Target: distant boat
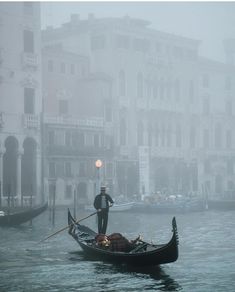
178	206
21	217
139	253
115	208
221	204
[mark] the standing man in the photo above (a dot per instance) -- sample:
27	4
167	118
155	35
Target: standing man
101	204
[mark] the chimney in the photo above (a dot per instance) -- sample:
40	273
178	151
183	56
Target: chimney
74	18
91	16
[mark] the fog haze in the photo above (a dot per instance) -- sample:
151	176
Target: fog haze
210	22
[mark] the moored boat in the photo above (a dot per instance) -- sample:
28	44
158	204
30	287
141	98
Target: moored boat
221	204
20	217
139	252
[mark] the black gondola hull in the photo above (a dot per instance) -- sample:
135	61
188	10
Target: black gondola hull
159	254
22	217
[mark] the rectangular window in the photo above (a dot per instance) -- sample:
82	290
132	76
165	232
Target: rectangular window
96	140
82	169
68	172
122	42
206	138
206	106
28	41
228	83
109	170
229	107
29	100
72	69
51	138
205	81
63	107
75	139
230	167
98	42
50	66
60	169
62	68
52	169
108	113
68	139
68	192
228	139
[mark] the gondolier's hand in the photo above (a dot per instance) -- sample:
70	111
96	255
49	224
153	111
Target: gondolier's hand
98	210
111	205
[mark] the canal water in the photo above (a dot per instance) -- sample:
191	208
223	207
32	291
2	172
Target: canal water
206	260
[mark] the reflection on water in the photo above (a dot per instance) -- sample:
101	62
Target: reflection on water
160	279
206	260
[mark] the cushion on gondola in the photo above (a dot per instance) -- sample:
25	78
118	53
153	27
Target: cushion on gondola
119	243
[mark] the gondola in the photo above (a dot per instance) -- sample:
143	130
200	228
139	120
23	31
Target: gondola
21	217
141	254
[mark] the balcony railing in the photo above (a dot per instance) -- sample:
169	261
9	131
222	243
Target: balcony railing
29	60
73	122
31	121
59	150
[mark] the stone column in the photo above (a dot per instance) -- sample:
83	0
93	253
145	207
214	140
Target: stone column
18	176
1	175
38	187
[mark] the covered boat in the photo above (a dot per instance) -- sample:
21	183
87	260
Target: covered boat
138	252
21	217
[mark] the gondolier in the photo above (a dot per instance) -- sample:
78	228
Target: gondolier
102	203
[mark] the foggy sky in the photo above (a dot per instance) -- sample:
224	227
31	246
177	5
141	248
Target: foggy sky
210	22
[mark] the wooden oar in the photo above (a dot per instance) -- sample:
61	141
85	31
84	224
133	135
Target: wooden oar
79	220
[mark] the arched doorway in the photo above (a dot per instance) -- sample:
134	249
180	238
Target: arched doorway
28	168
10	167
82	198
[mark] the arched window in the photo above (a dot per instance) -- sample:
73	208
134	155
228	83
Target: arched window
140	87
122	83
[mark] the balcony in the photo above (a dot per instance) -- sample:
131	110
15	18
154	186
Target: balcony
65	151
30	60
31	121
74	122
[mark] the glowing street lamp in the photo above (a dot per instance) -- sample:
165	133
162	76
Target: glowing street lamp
98	165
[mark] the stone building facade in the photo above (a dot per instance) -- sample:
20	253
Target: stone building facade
78	127
174	109
20	103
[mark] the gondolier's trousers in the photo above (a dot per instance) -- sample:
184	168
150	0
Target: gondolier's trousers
103	221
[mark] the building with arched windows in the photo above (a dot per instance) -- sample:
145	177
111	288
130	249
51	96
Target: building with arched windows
174	109
20	103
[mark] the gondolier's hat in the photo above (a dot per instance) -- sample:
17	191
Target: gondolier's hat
102	188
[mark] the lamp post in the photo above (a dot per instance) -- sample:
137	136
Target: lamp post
98	165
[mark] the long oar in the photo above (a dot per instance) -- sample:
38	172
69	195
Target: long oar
79	220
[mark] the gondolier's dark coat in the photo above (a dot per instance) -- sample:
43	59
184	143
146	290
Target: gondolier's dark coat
97	201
